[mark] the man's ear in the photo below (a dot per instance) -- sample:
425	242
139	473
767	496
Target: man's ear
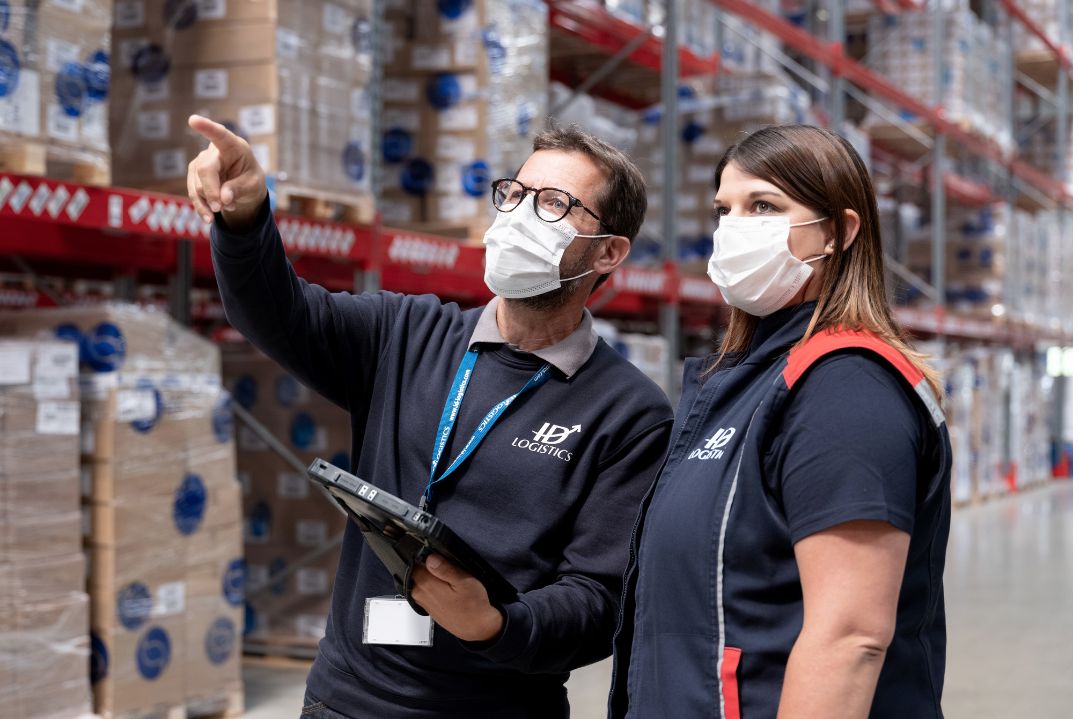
612	252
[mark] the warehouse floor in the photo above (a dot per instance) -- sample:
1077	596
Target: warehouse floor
1008	608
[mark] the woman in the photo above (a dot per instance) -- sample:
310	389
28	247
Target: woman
789	559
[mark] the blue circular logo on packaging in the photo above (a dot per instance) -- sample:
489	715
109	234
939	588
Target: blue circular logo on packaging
692	132
105	348
133	605
444	91
71	89
260	520
5	14
71	333
233	582
475	179
150	64
453	9
146	424
180	14
340	461
277	566
303	430
287	390
417	177
396	145
153	653
250	618
354	161
245	391
362	41
99	659
220	640
222	419
496	53
189	506
9	68
98	73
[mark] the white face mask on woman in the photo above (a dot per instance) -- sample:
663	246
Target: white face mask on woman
524	253
753	266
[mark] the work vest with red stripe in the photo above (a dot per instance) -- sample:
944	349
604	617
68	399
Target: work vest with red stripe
712	602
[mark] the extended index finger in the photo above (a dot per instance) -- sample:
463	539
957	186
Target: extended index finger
222	138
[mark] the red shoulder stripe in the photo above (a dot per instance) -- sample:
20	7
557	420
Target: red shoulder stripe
824	343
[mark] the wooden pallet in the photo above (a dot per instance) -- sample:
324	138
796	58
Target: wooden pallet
37	159
281	645
467	232
226	706
355	208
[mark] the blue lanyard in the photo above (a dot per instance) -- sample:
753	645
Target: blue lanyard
452	408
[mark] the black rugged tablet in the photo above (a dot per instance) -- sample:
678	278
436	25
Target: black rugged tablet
402	534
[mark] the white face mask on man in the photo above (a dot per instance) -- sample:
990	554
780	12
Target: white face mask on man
753	266
523	257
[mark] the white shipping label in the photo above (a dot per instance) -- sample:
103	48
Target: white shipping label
447	178
466	52
251	442
127	49
397	212
457	148
703	174
261	151
152	125
460	118
312	581
70	5
257	119
20	112
400	90
320	441
311	625
257	576
404	119
288	44
52	388
58	418
128	14
457	208
133	405
153	91
15	365
431	57
94	129
212	9
169	163
310	533
211	84
60	125
335	19
292	486
170	599
686	202
59	53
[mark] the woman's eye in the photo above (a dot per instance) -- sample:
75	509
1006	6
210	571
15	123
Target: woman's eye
761	206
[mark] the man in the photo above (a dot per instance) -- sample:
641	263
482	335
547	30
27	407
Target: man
547	491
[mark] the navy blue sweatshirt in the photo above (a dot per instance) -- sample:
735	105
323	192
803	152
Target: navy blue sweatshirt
555	520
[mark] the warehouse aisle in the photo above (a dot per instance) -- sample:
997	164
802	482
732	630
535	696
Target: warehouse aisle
1009	608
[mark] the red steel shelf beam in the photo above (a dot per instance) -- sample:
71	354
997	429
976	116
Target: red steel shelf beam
1020	15
599	28
833	55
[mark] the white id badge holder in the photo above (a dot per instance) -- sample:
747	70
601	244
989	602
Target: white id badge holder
391	620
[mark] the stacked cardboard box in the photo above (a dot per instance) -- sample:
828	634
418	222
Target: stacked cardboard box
54	88
44	610
465	91
288	518
1051	16
290	76
900	49
161	506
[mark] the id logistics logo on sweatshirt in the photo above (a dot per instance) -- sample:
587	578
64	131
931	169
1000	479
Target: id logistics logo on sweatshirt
547	439
713	447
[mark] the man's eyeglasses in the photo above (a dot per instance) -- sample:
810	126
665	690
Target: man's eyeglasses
555	204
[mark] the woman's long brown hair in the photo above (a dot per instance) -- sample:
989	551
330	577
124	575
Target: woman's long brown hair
821	170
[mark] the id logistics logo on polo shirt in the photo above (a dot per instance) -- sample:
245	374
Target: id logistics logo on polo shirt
547	439
713	447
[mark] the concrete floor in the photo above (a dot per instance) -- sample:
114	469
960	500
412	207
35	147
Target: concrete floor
1009	613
